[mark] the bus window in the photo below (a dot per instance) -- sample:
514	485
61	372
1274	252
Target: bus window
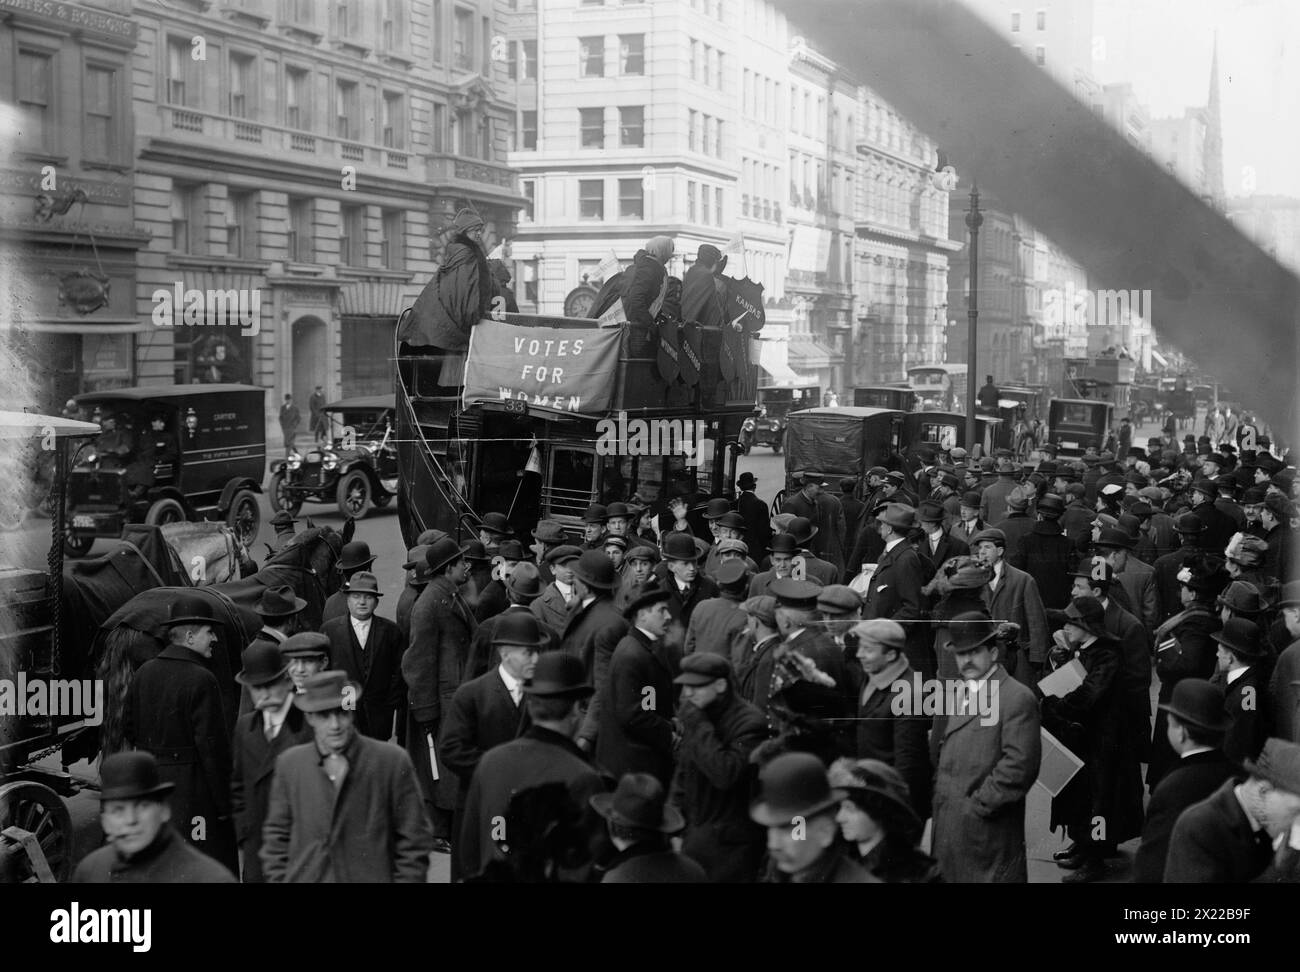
572	482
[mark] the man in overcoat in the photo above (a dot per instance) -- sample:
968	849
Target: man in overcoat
757	517
345	808
274	725
984	766
1012	595
895	591
174	711
369	648
716	621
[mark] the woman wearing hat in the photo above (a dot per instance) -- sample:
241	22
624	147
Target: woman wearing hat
877	817
460	293
1184	646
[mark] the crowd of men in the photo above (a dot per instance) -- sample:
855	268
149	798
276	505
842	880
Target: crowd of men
714	692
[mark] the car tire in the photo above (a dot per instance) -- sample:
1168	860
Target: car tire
75	547
353	495
165	510
280	500
244	516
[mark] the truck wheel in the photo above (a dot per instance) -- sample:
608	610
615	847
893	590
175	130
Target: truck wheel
281	499
244	516
353	494
165	511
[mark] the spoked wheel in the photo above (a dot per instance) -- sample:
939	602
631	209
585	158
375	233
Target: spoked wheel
353	495
75	546
165	511
281	498
245	516
37	809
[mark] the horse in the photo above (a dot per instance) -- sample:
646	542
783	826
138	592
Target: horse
135	633
210	552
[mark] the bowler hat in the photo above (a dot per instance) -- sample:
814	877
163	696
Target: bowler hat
429	537
971	500
732	521
1242	636
1242	597
549	531
792	785
732	575
1279	763
746	480
442	553
476	551
363	582
969	630
192	609
279	602
650	594
131	775
283	519
510	550
1087	613
1051	506
1198	703
992	534
1115	537
1290	595
802	530
783	543
680	546
838	599
558	675
563	554
262	662
355	555
519	628
1190	524
305	643
596	570
639	802
716	508
1089	567
496	523
595	514
762	607
326	691
415	557
931	512
881	631
703	668
524	581
617	511
899	515
793	593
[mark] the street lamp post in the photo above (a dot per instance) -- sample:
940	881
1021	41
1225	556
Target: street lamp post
974	219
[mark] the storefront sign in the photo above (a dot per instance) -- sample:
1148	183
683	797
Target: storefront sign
552	369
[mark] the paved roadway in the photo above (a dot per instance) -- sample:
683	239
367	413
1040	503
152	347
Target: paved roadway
28	546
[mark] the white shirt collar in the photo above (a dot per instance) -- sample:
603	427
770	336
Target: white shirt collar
1236	673
1195	750
274	718
361	628
1255	826
647	633
563	588
588	599
893	543
513	685
794	634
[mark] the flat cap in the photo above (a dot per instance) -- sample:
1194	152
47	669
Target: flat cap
795	593
703	667
762	607
838	599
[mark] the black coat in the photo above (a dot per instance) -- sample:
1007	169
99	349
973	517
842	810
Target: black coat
537	757
1246	703
1016	527
1184	649
484	658
947	548
635	732
1219	527
168	860
712	787
653	862
1166	569
1212	843
895	593
902	741
1048	555
174	710
591	635
681	607
758	524
1192	779
250	782
828	516
377	668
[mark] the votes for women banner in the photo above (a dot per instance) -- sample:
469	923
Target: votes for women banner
555	369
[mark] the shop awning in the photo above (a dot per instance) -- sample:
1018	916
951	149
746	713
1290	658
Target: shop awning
772	359
811	355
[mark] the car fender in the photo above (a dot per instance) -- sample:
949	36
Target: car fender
234	486
360	463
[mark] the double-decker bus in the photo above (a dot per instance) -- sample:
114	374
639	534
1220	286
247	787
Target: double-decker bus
940	386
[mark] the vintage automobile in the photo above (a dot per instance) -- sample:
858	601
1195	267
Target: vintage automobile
774	404
218	443
1076	424
356	469
899	397
948	429
844	441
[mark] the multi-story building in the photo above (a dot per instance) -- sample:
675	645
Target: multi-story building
68	234
309	154
902	248
1121	107
1191	145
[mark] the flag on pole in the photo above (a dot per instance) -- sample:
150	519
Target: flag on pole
735	254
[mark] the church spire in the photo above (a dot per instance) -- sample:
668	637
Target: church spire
1213	160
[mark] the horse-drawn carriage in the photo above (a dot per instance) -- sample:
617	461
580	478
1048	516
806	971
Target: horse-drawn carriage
72	635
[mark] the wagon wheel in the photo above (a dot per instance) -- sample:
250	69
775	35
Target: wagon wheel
37	809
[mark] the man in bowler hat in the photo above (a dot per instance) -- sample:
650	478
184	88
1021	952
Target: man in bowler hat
353	558
639	824
369	648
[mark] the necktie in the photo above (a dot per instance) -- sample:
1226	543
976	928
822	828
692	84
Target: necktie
268	730
516	693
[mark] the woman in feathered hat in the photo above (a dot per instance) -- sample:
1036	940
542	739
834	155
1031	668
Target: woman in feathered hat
460	293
